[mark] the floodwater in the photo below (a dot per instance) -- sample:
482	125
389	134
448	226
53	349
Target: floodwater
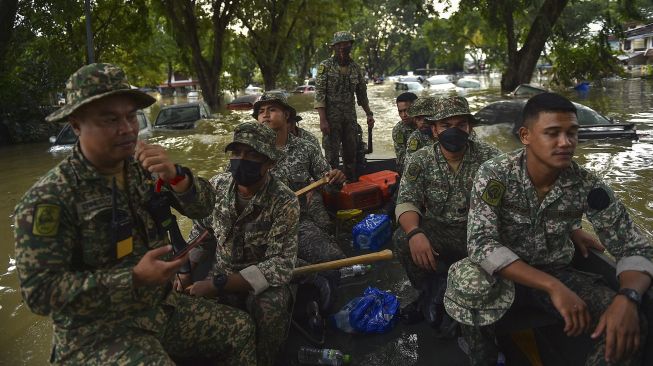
625	165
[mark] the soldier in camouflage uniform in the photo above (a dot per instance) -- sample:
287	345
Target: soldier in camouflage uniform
87	249
301	165
422	135
523	206
254	222
434	194
338	79
303	133
404	128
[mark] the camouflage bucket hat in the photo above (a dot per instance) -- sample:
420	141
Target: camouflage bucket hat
95	81
450	107
342	37
273	97
475	298
257	136
422	106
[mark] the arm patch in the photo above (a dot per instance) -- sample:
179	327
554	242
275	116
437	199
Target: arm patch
493	192
412	172
46	220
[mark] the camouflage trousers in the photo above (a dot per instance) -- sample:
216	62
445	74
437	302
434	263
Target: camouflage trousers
270	311
343	132
195	327
450	242
315	245
589	287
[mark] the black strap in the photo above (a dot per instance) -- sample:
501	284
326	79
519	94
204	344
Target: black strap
414	232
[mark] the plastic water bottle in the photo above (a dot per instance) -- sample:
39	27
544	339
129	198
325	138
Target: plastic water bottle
355	270
316	356
341	319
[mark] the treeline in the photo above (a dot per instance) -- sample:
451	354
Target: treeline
229	44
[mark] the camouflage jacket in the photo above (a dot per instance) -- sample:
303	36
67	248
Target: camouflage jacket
400	134
302	164
507	222
67	257
336	85
417	140
430	188
261	242
304	134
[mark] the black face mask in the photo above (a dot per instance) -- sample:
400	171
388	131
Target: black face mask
453	139
245	172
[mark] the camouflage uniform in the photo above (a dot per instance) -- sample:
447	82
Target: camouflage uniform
260	243
507	222
335	87
71	268
441	197
304	134
416	141
424	106
400	134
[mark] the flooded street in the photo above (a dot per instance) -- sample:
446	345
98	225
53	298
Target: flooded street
626	165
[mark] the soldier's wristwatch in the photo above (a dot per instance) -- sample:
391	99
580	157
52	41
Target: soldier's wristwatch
219	281
631	295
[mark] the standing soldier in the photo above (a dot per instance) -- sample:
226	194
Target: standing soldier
524	205
404	128
339	78
89	246
254	221
422	135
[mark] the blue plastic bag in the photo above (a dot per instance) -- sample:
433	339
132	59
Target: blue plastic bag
374	312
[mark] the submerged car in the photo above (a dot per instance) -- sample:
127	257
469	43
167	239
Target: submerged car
304	89
66	138
181	116
593	125
408	86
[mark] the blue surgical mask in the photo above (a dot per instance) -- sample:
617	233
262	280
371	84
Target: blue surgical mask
245	172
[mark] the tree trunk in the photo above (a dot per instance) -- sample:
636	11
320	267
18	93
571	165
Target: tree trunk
8	9
521	64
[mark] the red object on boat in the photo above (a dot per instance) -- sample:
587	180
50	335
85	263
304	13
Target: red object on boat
362	195
386	180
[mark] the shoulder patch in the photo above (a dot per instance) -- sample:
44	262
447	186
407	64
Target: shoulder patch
412	144
493	192
598	199
412	172
320	69
46	220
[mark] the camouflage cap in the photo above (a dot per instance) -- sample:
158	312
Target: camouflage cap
342	36
422	106
273	97
257	136
95	81
449	107
473	297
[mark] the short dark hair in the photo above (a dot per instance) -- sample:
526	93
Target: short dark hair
406	97
546	102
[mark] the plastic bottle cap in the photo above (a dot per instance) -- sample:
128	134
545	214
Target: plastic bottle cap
346	358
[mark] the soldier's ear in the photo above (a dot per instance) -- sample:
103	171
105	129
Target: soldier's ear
74	123
524	135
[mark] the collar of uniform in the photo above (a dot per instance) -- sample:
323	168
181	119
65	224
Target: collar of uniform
83	168
469	152
260	198
568	177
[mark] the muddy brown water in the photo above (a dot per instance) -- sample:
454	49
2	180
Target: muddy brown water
626	165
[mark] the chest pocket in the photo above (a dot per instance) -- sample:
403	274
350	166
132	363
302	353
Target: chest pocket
255	239
436	196
516	217
559	222
97	236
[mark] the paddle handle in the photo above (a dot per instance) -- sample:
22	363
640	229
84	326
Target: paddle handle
361	259
312	186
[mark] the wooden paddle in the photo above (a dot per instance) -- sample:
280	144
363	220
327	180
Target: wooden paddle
361	259
312	186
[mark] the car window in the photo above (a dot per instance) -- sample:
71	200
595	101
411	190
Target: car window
587	116
66	136
142	120
178	115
